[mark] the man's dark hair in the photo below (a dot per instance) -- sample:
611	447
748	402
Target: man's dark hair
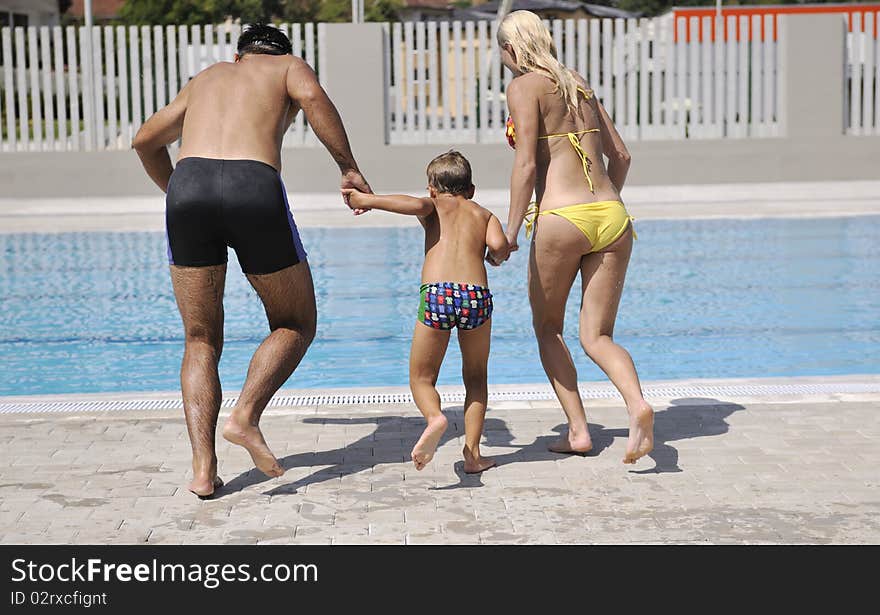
450	173
260	38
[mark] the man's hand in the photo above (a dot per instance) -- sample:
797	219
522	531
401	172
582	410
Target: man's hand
354	179
354	182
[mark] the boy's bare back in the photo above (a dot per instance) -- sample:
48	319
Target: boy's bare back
457	232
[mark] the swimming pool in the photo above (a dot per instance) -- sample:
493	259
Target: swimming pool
94	312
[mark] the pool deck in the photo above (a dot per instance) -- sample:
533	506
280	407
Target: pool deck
735	462
733	469
765	200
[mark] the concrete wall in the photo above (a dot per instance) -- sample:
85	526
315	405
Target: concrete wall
813	146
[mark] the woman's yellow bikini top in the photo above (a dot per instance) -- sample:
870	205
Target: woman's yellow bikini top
510	132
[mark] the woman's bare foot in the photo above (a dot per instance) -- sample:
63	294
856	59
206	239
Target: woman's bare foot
474	463
572	443
424	449
251	438
205	486
641	433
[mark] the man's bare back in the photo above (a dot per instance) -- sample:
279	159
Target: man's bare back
240	110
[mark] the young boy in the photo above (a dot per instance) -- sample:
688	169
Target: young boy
453	293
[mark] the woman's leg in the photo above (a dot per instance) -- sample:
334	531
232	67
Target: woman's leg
602	277
553	264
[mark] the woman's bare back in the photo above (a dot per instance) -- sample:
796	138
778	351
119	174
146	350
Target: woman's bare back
560	174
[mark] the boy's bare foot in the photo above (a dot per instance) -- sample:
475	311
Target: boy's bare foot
251	438
205	486
476	463
579	444
641	433
424	449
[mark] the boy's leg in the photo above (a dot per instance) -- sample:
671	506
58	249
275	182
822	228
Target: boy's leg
474	345
428	349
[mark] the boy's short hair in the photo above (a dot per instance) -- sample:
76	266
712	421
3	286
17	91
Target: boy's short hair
450	173
260	38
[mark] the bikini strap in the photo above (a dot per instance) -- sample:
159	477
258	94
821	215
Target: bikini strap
530	217
565	134
585	160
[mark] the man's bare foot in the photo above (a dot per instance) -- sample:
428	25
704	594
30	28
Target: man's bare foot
476	463
424	449
641	433
578	444
204	486
251	438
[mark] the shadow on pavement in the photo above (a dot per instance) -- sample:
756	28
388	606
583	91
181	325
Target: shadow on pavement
686	418
393	437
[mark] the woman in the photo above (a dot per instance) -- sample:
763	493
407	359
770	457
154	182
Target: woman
561	131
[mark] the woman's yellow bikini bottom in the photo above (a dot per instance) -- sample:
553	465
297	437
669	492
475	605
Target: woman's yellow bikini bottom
602	222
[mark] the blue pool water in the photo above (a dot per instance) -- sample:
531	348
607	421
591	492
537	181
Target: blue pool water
94	312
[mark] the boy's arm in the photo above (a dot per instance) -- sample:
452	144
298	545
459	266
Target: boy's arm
496	242
395	203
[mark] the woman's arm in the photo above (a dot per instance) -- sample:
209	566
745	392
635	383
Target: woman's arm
395	203
614	148
525	114
160	130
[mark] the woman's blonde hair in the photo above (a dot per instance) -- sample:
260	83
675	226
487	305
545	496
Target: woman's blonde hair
535	51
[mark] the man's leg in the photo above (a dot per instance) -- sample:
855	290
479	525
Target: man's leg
199	293
288	297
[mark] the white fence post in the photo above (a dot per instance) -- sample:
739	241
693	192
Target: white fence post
46	73
60	97
73	77
124	118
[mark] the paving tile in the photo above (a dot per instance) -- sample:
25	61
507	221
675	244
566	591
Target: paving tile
740	479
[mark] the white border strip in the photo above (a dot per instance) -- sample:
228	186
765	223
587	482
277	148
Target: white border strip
534	392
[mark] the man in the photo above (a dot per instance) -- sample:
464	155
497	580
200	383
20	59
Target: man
227	191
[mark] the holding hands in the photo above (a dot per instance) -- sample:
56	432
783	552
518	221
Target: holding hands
355	200
354	183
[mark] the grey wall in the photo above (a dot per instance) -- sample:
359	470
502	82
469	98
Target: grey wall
813	146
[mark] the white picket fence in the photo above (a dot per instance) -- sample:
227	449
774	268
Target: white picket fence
444	80
447	83
64	90
863	87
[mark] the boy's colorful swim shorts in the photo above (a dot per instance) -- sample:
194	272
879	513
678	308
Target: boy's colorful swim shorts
445	305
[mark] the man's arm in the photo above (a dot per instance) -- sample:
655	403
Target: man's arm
395	203
151	141
304	89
